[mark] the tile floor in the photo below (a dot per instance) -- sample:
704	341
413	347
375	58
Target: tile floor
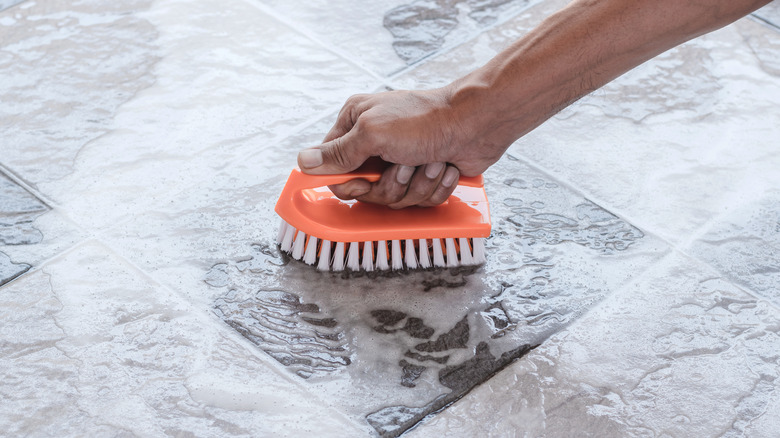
633	279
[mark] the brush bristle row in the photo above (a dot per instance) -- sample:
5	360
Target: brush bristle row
371	255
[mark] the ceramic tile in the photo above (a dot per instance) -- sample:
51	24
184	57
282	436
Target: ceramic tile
385	37
671	144
30	231
420	340
764	44
53	57
5	4
445	68
116	354
146	296
198	94
745	245
770	14
679	352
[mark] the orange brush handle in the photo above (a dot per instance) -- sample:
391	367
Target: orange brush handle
307	204
300	181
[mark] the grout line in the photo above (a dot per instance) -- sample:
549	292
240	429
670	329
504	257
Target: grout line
209	316
21	182
765	21
448	48
600	202
314	38
646	229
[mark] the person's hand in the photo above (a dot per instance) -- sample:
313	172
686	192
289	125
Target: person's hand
419	132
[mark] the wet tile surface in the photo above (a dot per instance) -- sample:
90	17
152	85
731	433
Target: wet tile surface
189	115
5	4
18	210
420	340
147	363
632	276
385	37
770	14
745	246
680	351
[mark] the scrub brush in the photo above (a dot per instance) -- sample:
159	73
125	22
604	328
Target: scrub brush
323	230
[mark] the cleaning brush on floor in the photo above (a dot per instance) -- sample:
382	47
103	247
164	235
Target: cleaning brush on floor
321	229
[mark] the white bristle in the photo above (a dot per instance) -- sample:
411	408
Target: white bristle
324	263
299	245
310	256
282	229
465	252
452	252
410	257
397	258
425	258
287	240
381	255
353	257
478	253
438	253
368	256
338	257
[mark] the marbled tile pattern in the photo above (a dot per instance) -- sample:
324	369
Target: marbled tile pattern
769	14
632	280
387	36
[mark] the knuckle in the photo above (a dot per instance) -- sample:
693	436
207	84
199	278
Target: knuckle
394	198
419	191
337	154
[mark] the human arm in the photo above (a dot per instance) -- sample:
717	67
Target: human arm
469	123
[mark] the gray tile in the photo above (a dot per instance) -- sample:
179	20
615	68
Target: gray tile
763	43
443	69
10	270
91	347
67	68
770	14
679	352
387	36
30	231
5	4
177	100
18	210
744	244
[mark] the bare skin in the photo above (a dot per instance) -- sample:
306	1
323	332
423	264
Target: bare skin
434	136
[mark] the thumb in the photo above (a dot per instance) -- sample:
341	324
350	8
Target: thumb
340	155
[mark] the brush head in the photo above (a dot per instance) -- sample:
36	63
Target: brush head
321	229
382	254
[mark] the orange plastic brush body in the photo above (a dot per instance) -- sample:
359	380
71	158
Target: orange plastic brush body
308	205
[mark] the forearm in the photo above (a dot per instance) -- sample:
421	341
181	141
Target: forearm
573	52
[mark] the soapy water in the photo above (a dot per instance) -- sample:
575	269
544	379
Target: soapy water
422	339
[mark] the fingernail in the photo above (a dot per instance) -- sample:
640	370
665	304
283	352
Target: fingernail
433	170
309	158
404	174
450	176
